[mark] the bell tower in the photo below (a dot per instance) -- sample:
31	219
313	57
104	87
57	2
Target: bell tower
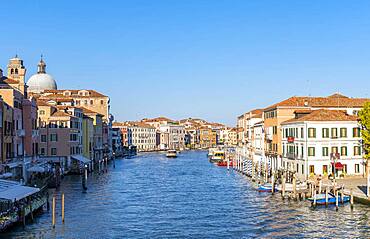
17	72
16	69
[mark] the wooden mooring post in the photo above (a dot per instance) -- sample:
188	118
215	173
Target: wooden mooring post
63	207
351	198
294	186
336	200
327	197
53	212
283	186
273	183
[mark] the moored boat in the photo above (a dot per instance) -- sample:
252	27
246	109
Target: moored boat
217	156
224	163
171	154
321	199
267	187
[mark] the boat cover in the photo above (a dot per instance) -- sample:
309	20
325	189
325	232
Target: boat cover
81	158
10	190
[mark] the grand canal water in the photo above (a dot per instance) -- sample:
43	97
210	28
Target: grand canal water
150	196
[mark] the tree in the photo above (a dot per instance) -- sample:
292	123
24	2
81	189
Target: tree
364	116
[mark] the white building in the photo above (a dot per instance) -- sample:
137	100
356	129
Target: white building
311	141
143	136
172	136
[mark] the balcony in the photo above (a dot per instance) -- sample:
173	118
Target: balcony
20	132
291	156
35	133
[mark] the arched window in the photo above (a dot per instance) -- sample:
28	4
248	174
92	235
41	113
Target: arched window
11	71
16	71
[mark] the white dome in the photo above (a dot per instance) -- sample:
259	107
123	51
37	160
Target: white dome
40	82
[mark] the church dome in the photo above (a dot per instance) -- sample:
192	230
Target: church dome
41	81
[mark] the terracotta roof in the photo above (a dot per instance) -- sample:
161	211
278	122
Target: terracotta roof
257	115
117	124
74	93
56	97
141	125
303	111
60	113
158	119
9	80
87	111
324	115
42	103
330	101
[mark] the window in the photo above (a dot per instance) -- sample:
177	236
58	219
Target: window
357	168
356	150
85	102
53	151
311	151
334	150
102	102
334	132
343	132
344	168
325	169
312	169
302	130
42	151
311	133
91	102
274	129
325	132
325	151
53	137
73	137
343	150
356	132
42	112
43	138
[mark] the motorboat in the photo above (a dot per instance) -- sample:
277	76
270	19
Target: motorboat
217	156
223	163
321	199
171	154
267	187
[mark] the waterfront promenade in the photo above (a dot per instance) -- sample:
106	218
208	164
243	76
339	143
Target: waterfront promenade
150	196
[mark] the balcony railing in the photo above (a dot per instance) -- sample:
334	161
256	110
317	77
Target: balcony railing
21	133
35	133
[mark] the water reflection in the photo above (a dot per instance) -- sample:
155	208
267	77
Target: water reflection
151	196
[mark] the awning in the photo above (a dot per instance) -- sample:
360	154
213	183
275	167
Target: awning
6	175
81	158
36	169
12	165
338	165
11	190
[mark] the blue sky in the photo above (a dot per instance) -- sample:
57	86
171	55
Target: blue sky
210	59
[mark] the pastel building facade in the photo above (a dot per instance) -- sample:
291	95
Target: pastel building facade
323	142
